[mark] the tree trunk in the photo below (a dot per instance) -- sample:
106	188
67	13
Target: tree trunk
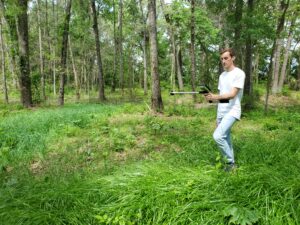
276	65
237	32
76	79
120	40
3	65
156	100
280	26
53	52
25	82
98	53
41	51
130	71
286	58
192	51
64	52
172	46
248	60
10	20
114	80
298	77
144	45
179	68
255	69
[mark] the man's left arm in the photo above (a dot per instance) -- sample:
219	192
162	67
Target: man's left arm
230	95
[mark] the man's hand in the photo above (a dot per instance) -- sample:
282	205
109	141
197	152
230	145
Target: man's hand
211	97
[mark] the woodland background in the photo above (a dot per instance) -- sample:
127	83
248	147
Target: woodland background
89	133
88	48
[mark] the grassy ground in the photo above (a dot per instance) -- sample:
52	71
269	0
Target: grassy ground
120	164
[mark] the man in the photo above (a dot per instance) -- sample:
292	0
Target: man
231	85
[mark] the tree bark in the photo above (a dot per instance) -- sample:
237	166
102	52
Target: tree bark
286	57
298	76
114	80
76	79
25	82
276	65
280	26
179	67
3	64
120	41
172	46
41	54
53	52
64	52
237	31
248	60
98	52
192	51
156	100
144	46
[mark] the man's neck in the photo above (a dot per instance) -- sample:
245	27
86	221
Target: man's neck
230	68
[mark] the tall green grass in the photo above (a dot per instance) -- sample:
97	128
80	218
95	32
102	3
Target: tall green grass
102	164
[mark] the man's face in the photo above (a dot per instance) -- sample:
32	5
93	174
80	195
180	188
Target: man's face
227	61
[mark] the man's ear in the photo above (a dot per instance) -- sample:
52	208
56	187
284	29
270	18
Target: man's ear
233	58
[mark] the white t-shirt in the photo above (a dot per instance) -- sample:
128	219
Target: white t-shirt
227	81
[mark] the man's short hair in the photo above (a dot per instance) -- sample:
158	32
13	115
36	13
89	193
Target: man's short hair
230	50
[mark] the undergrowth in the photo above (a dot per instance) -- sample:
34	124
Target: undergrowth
121	164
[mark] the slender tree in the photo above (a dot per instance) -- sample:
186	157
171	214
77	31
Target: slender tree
64	52
144	46
53	52
171	34
114	80
76	79
22	28
156	99
248	58
3	64
298	74
286	56
98	52
280	25
120	42
41	53
238	30
192	51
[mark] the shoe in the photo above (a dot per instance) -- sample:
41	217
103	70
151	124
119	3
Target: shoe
230	167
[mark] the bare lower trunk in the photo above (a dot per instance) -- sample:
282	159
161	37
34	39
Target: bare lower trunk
248	61
237	32
113	83
120	40
156	100
276	64
53	52
298	78
3	63
173	54
280	26
41	51
144	45
179	68
285	58
25	82
63	64
76	79
98	53
193	55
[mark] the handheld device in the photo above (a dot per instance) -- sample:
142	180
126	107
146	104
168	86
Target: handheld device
204	89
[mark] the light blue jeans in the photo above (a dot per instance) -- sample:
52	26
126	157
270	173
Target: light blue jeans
222	137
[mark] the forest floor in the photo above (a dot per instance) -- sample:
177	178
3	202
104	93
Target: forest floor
118	163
